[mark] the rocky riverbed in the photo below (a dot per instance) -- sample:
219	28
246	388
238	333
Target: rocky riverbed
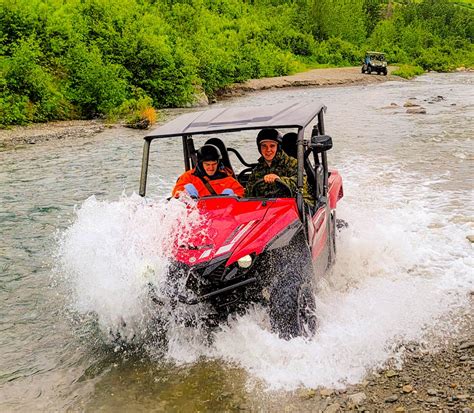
433	381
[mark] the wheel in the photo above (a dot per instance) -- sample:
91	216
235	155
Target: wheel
362	70
385	71
369	70
279	188
292	307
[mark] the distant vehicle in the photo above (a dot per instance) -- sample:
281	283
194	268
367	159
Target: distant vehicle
374	62
267	250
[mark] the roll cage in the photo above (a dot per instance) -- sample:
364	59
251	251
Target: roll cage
310	152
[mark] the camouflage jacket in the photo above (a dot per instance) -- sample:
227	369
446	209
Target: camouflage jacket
283	166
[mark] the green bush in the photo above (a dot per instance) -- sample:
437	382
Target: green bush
14	110
338	52
408	71
30	87
94	86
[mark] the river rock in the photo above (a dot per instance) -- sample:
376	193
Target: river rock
357	399
462	397
307	394
417	110
432	392
408	388
409	104
467	344
435	99
391	399
200	98
470	238
326	392
140	124
392	105
391	373
333	408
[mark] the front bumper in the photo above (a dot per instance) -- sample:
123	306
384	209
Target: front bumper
215	283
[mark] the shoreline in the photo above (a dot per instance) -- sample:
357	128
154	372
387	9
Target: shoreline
19	136
339	76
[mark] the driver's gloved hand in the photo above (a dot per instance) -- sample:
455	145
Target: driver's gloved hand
191	190
228	191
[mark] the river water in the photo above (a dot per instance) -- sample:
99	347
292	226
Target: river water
76	245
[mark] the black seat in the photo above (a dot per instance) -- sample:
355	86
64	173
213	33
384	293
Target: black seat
225	155
288	144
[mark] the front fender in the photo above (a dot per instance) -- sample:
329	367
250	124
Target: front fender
336	191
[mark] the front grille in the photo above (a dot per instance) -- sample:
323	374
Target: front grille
217	274
214	276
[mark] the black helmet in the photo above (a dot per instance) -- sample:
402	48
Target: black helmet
208	152
268	134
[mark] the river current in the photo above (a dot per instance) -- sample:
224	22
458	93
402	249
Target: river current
77	245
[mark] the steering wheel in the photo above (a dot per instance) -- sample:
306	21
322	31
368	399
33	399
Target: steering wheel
277	189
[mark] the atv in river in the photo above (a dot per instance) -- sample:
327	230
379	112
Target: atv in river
266	250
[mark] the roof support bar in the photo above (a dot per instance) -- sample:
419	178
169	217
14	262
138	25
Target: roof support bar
300	178
187	165
144	173
324	157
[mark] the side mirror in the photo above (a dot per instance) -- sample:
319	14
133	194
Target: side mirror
321	143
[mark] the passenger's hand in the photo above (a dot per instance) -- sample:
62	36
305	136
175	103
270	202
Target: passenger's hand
270	178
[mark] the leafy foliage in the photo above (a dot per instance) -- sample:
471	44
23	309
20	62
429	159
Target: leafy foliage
408	72
62	59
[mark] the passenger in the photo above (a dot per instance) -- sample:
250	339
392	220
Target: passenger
209	177
272	165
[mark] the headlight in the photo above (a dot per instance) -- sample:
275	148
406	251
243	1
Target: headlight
245	261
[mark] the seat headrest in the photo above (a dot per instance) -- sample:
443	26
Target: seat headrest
288	144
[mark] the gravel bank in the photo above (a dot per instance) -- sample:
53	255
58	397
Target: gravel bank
52	131
440	380
341	76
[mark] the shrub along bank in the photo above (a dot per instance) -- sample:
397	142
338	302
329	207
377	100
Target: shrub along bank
66	59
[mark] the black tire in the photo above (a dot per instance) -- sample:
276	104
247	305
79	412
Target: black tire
292	306
362	70
385	71
369	70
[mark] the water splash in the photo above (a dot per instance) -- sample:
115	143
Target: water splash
113	251
400	271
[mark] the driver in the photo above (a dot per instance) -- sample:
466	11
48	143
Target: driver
272	165
209	177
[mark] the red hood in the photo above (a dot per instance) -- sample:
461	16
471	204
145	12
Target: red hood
234	228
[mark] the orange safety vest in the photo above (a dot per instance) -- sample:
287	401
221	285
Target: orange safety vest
217	184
